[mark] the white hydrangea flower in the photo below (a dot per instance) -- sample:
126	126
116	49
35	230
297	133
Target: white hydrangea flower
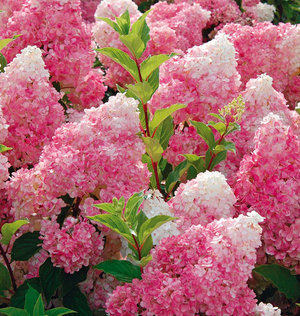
264	12
263	309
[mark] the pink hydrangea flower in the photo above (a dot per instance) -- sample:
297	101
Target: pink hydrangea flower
203	270
202	200
30	107
75	245
268	182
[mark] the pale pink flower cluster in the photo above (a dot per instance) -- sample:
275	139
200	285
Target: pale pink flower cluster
204	79
263	309
73	246
66	42
29	105
101	152
262	11
260	99
268	181
202	200
265	48
203	270
169	24
155	205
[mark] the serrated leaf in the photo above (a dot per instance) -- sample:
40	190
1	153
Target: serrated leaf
114	223
124	23
122	59
134	44
122	270
143	90
160	115
218	149
164	132
150	225
195	161
282	278
107	207
77	301
31	298
141	29
205	132
219	157
153	62
147	246
176	174
4	42
218	116
50	277
132	206
145	260
9	229
153	148
219	126
4	148
39	308
153	79
26	246
5	282
3	62
13	311
111	23
58	311
191	173
229	146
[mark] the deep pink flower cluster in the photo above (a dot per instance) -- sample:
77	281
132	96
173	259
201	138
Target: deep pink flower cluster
205	79
265	48
203	270
88	8
29	106
202	200
100	152
268	181
75	245
58	29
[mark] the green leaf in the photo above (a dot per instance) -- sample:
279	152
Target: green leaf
233	127
147	246
219	126
3	148
205	132
111	23
164	131
229	146
114	223
5	282
26	246
218	116
3	62
58	311
134	44
39	307
153	62
160	115
107	207
143	90
141	29
195	161
50	278
176	174
132	206
153	148
218	149
282	278
4	42
18	299
76	301
153	79
145	260
31	298
219	157
13	311
124	23
151	224
192	173
69	281
9	229
121	58
122	270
